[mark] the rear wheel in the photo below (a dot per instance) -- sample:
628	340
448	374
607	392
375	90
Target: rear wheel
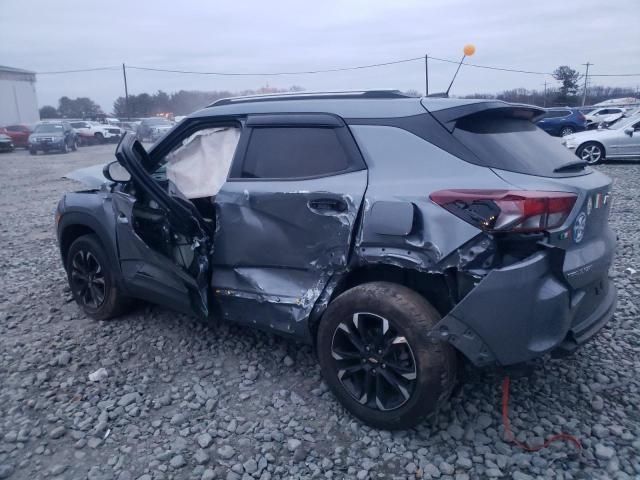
92	280
591	152
377	359
33	151
567	131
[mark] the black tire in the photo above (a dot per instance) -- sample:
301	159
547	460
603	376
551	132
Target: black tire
74	145
65	147
33	151
422	389
567	131
103	299
591	152
99	137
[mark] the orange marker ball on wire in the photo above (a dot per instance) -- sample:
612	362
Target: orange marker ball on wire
469	49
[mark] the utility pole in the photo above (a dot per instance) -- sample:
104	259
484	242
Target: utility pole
126	92
426	75
544	102
586	81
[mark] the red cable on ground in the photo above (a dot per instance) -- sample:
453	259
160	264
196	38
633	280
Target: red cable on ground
511	437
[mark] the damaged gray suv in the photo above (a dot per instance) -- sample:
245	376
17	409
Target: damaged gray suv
399	236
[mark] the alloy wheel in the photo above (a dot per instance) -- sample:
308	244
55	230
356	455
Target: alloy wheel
87	279
566	131
374	361
591	154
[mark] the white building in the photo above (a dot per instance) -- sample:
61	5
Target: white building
18	102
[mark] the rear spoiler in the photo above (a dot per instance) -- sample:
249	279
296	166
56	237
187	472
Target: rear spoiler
449	116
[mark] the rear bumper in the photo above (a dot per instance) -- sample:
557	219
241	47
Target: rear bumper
523	311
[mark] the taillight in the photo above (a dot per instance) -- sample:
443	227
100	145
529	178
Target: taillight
508	210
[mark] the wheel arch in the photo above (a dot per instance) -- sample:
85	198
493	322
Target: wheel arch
76	224
433	286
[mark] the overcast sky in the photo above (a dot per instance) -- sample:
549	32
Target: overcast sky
268	36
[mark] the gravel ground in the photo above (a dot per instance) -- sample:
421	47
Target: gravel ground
187	400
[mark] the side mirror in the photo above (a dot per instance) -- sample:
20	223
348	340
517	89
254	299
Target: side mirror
116	173
629	131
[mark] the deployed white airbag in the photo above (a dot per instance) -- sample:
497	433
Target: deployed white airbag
199	167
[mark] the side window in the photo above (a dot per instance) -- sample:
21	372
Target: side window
294	152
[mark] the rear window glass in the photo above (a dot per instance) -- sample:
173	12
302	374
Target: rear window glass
512	144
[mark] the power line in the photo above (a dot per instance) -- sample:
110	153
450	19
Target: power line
328	70
264	74
78	70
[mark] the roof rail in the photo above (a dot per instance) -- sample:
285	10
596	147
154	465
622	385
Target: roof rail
311	96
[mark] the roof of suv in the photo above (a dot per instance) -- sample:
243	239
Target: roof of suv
361	104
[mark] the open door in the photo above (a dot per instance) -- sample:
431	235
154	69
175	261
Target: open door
164	244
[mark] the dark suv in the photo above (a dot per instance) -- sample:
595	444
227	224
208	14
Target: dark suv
400	236
560	122
50	136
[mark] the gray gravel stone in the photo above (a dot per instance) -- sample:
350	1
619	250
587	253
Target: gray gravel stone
293	444
208	474
204	440
57	432
177	461
6	470
226	452
603	452
201	456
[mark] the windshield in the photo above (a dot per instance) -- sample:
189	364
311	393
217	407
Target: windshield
624	122
49	128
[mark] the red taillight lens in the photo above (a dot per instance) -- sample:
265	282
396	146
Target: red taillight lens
508	210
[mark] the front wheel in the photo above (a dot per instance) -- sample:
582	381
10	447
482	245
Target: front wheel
591	152
377	359
99	137
92	280
33	151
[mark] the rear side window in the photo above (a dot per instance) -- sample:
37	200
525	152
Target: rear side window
557	113
513	144
293	152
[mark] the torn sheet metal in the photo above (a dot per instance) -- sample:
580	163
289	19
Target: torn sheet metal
277	247
89	176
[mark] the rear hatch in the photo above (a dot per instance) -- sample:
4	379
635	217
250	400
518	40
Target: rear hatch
504	138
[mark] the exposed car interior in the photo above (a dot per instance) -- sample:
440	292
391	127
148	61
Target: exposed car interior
192	174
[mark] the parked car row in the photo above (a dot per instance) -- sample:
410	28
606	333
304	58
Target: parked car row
618	141
68	135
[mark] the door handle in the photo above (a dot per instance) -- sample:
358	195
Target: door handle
321	205
122	218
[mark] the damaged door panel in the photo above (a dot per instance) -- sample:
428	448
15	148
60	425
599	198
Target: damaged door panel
279	243
163	244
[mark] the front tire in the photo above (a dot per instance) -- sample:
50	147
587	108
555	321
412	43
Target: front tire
377	359
99	138
33	151
591	152
92	279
